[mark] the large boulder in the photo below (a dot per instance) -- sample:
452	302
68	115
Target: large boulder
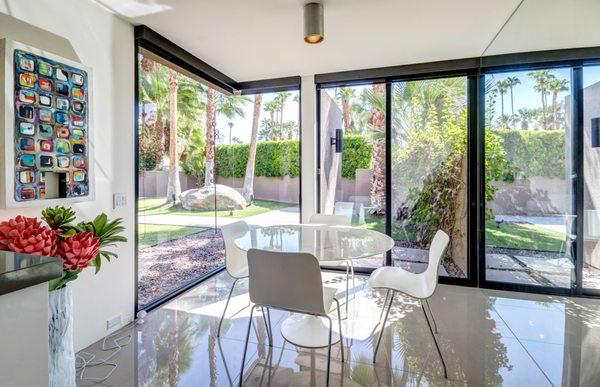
203	199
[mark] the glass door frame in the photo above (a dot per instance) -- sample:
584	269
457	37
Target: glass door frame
475	68
471	75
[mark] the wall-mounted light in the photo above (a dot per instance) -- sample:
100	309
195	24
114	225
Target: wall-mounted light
314	31
338	141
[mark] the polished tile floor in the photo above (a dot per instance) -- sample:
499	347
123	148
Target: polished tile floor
488	338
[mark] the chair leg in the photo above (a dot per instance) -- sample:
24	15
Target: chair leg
226	305
337	303
347	282
383	326
435	341
329	350
435	329
267	325
270	327
246	346
353	281
387	296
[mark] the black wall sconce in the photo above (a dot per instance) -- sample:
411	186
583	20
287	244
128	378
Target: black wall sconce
596	132
338	140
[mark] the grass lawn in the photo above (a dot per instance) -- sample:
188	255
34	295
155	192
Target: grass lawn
157	206
151	234
522	236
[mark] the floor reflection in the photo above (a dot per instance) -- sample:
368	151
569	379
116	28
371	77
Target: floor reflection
487	338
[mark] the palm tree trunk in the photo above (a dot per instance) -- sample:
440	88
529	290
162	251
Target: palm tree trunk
212	354
512	106
248	190
544	107
173	185
174	352
211	127
555	110
346	115
378	156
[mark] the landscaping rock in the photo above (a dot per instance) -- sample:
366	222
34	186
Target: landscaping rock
203	199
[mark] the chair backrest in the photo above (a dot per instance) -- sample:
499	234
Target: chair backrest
344	208
235	258
329	220
290	281
436	252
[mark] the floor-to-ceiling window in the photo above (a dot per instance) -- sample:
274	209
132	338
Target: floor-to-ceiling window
529	193
352	176
206	159
591	183
429	172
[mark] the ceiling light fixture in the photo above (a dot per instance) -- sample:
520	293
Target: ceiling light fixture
313	23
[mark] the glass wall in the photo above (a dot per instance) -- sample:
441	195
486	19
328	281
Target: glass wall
429	172
591	173
206	159
352	179
530	206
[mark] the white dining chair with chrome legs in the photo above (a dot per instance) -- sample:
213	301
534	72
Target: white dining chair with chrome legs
337	220
236	262
292	282
420	286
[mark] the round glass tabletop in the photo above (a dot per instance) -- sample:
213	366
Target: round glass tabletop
327	243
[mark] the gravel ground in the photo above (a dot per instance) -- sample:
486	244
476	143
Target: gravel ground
166	266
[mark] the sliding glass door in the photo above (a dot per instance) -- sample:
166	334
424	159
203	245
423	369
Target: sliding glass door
429	172
530	207
352	157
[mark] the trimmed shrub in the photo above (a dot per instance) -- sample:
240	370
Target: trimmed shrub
356	154
273	159
534	153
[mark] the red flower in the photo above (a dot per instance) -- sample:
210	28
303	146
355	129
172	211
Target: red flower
77	251
27	235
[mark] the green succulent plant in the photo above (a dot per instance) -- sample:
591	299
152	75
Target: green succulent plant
58	217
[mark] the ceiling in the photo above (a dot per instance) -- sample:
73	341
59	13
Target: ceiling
260	39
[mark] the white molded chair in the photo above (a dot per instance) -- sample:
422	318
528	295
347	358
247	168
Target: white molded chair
420	286
236	262
337	220
290	282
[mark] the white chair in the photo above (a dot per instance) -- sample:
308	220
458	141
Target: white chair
337	220
290	282
236	262
420	286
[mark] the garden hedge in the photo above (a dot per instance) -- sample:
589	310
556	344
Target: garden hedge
535	153
273	159
529	153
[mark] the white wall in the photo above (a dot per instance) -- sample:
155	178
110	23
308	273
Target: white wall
85	32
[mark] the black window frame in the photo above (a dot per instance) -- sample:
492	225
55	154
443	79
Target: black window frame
475	69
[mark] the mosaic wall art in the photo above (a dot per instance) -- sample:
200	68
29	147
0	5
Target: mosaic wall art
51	115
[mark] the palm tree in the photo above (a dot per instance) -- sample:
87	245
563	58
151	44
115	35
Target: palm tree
211	128
376	99
154	90
502	88
173	185
526	116
248	189
346	95
556	86
511	82
541	78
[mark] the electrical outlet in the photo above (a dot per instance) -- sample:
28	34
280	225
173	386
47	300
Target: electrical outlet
119	200
113	322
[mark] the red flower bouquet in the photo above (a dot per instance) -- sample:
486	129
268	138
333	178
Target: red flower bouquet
79	245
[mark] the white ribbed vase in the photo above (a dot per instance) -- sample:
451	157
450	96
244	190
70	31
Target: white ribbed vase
61	355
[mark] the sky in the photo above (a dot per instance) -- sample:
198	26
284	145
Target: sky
242	126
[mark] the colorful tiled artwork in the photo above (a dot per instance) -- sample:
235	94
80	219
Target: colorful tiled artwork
51	125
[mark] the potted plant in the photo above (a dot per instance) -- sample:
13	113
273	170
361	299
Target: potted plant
80	246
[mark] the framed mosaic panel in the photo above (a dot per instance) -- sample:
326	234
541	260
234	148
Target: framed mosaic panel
47	135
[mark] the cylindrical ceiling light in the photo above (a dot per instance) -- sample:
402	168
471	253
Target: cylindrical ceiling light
313	23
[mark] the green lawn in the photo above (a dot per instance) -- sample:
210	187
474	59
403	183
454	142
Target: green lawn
522	236
157	206
151	234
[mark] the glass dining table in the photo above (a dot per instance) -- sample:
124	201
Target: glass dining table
329	244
